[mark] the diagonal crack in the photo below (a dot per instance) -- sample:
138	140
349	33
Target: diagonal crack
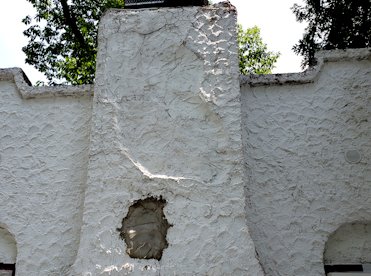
126	153
146	172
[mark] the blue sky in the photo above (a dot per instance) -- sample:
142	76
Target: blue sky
279	30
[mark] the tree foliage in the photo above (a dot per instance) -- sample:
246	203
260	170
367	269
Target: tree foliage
63	41
254	57
333	24
63	38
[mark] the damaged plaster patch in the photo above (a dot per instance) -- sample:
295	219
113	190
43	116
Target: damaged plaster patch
144	229
349	244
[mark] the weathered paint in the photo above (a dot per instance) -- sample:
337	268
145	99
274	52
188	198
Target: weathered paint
166	122
300	186
43	161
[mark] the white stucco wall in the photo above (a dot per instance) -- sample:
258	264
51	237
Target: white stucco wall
43	159
298	130
166	123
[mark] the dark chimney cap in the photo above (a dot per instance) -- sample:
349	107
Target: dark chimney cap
136	4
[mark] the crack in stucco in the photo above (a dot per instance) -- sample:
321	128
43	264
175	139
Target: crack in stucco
141	151
146	172
138	165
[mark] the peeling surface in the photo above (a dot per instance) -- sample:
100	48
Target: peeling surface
300	186
350	244
144	229
166	123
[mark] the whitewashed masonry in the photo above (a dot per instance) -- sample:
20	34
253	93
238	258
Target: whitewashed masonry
165	121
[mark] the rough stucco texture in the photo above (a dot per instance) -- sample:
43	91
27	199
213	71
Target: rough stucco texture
300	187
43	159
166	122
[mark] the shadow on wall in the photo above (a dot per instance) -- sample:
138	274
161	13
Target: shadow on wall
348	250
8	252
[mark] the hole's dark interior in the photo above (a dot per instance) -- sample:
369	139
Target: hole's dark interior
144	229
343	268
7	267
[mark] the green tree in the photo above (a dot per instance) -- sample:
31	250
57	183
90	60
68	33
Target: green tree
333	24
254	57
63	38
63	41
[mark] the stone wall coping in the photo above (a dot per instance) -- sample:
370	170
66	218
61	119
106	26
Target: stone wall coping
309	75
27	91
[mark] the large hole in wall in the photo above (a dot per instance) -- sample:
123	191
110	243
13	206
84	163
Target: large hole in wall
348	250
144	229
